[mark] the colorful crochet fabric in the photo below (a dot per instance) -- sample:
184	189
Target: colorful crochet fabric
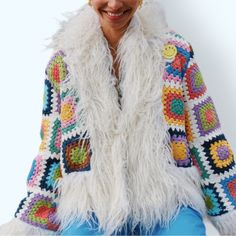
38	208
195	130
194	127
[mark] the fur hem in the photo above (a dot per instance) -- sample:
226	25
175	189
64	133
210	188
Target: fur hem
74	203
20	228
226	223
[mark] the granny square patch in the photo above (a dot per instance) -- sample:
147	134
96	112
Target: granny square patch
195	84
76	154
40	212
173	106
219	153
206	117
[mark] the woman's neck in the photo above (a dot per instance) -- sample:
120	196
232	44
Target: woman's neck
113	34
113	37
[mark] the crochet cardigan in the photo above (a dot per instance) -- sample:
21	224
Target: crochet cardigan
141	159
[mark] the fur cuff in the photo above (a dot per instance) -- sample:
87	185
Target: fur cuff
226	224
20	228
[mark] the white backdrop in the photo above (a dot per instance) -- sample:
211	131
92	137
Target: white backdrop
25	25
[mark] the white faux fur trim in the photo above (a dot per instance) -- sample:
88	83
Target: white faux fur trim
16	227
133	177
226	223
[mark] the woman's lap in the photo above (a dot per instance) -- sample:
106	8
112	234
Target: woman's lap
187	222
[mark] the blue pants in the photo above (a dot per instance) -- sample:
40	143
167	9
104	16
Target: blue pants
188	222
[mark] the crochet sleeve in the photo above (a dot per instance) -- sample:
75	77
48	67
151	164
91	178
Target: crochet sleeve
210	150
36	212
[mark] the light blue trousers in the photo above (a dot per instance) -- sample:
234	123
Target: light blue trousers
187	222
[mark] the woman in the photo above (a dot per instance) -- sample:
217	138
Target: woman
131	141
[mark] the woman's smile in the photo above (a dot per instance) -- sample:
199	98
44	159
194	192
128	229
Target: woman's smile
114	16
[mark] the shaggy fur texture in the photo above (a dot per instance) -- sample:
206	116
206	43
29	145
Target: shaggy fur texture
133	176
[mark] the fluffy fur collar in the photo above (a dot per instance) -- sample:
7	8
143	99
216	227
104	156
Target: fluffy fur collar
133	175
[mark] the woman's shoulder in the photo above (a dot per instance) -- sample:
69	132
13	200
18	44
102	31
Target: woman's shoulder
177	38
177	51
177	47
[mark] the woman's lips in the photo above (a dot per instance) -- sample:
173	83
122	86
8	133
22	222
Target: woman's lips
116	16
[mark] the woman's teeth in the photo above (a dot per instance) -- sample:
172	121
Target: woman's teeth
113	14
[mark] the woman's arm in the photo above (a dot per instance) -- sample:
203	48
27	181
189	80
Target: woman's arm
36	212
210	149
